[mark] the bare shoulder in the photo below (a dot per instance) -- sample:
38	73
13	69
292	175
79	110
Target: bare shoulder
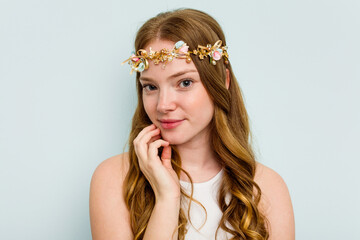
115	166
275	203
109	216
267	178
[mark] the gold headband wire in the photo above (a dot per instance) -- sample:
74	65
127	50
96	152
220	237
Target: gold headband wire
140	61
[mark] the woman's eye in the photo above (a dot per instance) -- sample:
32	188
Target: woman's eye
149	87
186	83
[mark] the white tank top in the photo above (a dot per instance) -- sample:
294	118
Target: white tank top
206	193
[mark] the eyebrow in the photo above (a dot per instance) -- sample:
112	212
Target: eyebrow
178	74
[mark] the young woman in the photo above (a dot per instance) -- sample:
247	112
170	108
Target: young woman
190	172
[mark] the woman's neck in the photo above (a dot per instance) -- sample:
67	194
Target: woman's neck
199	160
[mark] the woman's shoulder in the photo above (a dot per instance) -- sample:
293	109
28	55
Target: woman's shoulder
109	176
114	166
275	203
267	177
109	216
273	187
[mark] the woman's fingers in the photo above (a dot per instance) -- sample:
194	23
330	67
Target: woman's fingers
154	146
154	138
166	157
157	170
145	130
147	135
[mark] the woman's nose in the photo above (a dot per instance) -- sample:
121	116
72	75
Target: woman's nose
166	101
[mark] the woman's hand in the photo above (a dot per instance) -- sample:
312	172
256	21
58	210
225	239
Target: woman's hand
159	172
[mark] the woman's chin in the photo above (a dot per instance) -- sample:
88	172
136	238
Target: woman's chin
172	140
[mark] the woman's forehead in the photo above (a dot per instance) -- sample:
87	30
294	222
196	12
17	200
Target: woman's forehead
169	68
173	69
158	44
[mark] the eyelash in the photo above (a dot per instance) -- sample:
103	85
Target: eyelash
187	80
147	86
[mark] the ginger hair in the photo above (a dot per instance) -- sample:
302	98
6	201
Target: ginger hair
239	194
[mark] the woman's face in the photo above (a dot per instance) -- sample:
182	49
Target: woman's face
175	99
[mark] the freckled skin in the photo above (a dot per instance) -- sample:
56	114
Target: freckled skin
181	97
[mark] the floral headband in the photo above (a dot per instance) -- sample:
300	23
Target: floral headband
140	61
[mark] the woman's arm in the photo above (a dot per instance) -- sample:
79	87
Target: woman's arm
164	181
163	221
109	216
275	203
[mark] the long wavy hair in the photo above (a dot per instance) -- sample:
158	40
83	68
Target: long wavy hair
239	194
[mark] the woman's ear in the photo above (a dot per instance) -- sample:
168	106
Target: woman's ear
227	78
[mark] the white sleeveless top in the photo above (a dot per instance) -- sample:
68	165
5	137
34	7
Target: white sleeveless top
206	193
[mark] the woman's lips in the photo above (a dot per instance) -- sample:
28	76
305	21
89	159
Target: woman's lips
170	123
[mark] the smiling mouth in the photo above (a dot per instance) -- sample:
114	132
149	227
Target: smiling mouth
169	124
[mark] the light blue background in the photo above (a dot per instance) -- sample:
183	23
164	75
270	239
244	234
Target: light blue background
66	104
